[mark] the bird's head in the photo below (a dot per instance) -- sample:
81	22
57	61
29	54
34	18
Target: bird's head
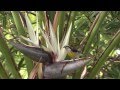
68	48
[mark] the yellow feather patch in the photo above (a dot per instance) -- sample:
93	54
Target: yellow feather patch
71	54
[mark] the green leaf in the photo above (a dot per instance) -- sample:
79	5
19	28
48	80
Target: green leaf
3	73
95	30
9	61
115	41
18	23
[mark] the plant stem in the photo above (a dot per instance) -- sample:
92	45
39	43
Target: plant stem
9	59
94	31
115	41
21	31
3	73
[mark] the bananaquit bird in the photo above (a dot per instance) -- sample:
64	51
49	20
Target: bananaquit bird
72	52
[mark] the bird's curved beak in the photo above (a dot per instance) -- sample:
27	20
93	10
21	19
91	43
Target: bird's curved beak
66	46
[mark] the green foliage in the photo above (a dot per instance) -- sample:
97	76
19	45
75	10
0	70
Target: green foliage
114	71
95	34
